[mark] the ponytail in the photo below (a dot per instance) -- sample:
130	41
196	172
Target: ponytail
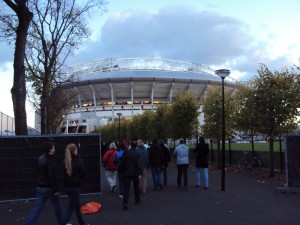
71	148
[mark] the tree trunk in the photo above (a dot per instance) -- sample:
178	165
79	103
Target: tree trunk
212	151
43	118
229	151
271	158
281	154
219	154
45	102
252	144
18	91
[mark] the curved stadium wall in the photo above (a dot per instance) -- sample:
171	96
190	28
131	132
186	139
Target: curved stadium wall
129	86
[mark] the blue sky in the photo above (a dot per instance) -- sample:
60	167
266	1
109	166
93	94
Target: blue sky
233	34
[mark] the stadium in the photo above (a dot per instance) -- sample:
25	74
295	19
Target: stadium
111	88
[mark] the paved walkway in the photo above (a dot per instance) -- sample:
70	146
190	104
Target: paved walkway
246	201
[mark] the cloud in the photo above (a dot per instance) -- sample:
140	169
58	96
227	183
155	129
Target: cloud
176	32
182	33
7	54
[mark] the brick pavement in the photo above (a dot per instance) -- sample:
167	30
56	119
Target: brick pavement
246	201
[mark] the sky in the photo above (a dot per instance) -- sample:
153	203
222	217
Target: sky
234	34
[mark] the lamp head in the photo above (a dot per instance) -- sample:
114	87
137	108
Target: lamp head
119	114
222	73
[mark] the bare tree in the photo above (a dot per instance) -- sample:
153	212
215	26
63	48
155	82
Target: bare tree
14	27
58	102
54	29
58	28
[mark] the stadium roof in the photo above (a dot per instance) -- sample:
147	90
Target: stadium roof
140	79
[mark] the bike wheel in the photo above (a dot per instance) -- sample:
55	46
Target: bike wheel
255	163
242	163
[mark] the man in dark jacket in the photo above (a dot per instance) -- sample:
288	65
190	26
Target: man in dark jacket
166	160
132	172
156	159
46	186
202	150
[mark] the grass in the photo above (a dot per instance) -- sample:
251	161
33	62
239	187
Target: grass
257	146
248	146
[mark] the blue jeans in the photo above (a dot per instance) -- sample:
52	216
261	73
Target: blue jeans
42	195
205	176
74	205
156	177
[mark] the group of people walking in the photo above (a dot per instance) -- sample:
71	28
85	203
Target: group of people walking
130	164
47	187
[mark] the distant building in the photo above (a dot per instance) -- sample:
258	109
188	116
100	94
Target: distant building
7	126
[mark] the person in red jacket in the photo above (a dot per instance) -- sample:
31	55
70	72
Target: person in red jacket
110	166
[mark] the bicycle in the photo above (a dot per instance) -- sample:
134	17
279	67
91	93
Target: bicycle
249	162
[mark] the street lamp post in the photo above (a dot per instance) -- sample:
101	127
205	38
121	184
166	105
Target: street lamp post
119	115
223	73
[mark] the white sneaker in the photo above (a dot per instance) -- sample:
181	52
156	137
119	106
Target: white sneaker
120	196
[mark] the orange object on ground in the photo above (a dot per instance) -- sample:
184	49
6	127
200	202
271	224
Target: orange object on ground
90	207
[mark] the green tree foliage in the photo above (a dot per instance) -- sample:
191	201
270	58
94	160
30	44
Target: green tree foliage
108	132
147	124
125	129
212	109
185	111
244	114
162	121
150	125
135	127
276	97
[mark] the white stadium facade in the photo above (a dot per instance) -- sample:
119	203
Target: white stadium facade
109	88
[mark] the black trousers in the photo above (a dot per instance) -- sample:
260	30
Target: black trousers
182	169
136	189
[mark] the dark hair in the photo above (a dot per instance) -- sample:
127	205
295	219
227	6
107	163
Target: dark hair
133	144
47	146
154	141
161	143
182	141
122	146
201	140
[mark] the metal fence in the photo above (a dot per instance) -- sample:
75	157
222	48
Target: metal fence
7	126
18	161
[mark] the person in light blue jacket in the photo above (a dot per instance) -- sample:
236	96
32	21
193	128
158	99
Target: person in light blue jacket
181	153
